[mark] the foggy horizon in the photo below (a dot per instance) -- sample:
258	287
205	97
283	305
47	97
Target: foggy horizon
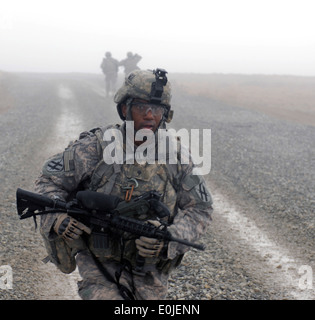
224	37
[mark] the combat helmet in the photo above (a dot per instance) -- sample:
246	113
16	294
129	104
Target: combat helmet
148	85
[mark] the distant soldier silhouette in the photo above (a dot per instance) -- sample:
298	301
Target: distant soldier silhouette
109	67
130	63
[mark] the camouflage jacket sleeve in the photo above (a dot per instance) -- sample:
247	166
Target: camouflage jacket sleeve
65	172
194	214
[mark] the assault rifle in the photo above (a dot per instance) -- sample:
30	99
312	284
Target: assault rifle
101	212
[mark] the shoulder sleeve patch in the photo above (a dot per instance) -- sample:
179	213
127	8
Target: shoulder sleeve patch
63	162
197	187
203	192
54	165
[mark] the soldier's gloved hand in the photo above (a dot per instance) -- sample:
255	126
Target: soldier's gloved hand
69	228
150	247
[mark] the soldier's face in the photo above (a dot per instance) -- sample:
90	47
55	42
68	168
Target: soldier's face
144	115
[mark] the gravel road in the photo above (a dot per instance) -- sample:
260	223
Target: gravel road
260	243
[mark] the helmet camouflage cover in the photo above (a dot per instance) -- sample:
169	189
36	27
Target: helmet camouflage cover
139	85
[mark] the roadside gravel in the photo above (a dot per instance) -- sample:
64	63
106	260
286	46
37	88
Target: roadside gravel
264	167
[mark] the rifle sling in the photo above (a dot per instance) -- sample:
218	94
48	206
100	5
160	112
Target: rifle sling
123	290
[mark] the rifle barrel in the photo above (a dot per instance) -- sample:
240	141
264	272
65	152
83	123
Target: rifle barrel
187	243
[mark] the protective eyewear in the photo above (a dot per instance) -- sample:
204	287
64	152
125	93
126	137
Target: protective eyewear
144	108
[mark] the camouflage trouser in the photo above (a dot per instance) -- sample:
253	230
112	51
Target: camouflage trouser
110	81
94	285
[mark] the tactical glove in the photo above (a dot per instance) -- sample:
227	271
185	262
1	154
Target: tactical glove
150	247
69	228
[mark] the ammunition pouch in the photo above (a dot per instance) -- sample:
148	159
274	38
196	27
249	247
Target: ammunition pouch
60	254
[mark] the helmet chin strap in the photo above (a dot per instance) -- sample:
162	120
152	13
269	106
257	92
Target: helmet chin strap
128	109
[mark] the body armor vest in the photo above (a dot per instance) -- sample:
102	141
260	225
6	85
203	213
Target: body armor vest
127	180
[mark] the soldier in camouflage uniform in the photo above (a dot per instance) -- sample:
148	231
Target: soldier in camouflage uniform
144	98
109	67
130	63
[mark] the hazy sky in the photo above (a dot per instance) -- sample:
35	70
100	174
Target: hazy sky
221	36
